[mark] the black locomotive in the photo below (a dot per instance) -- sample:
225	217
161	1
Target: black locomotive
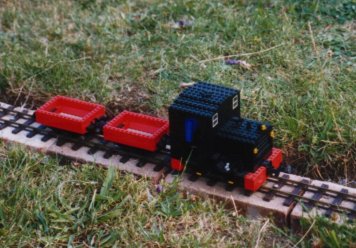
209	137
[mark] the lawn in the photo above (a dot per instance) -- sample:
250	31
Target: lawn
133	55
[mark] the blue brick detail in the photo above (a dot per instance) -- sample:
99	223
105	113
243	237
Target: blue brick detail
191	126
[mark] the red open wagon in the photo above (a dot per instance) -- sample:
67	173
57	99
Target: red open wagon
136	130
69	114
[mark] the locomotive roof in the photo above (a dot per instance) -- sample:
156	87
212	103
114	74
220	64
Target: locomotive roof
203	99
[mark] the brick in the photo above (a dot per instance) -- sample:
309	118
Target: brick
98	158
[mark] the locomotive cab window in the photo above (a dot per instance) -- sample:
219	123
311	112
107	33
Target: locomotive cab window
235	102
215	120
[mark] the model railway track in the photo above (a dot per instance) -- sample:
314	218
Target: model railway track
316	192
94	142
22	120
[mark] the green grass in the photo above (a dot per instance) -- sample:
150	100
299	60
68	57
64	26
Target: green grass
128	55
47	203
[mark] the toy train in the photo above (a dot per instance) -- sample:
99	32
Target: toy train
207	135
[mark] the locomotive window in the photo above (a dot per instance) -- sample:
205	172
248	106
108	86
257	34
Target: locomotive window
235	101
215	120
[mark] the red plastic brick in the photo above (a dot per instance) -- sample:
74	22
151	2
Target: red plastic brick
177	165
136	130
253	181
276	158
69	114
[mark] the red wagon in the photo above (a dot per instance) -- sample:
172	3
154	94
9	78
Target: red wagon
136	130
69	114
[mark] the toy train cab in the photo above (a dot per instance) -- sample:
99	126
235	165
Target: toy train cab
207	135
195	118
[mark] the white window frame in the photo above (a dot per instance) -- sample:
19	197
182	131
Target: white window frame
215	120
235	102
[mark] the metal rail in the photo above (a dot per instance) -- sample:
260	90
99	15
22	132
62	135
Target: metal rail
315	188
298	194
95	143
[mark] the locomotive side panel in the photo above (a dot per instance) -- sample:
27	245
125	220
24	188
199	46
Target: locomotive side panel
195	117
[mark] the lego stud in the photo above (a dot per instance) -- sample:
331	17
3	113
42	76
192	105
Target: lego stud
272	134
255	151
263	127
